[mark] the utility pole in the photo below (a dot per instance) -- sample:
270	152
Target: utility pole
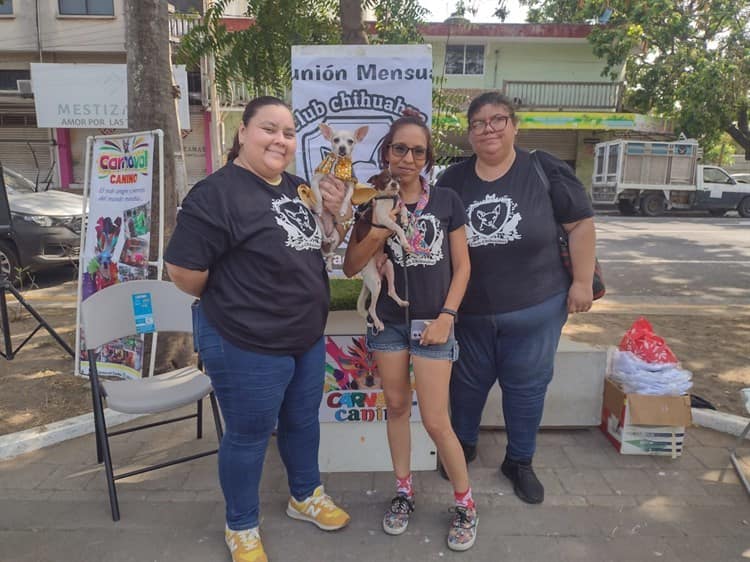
151	105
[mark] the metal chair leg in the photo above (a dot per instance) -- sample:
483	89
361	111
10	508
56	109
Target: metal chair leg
102	430
736	462
199	419
217	418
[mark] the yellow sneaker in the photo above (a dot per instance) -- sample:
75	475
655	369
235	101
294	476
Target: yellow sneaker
318	509
245	545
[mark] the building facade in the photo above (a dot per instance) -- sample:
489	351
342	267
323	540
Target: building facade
550	72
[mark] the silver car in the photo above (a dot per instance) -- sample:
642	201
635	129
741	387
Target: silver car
46	227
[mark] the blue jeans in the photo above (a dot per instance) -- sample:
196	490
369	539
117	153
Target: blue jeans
255	390
516	349
396	337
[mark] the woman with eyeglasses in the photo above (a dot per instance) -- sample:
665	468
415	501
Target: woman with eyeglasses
519	294
434	274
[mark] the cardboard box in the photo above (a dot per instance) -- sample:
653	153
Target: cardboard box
639	424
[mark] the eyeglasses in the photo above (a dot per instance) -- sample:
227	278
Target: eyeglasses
497	123
401	150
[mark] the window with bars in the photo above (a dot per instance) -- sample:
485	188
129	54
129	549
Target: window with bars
464	59
87	7
6	7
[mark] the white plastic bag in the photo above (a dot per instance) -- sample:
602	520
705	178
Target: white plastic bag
640	377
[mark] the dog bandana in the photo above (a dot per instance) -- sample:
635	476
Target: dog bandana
413	234
341	167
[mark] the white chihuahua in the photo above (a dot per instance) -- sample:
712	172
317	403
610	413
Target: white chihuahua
387	188
339	163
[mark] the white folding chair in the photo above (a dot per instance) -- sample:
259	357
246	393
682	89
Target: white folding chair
110	314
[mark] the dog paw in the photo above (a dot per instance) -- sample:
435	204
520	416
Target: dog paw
403	304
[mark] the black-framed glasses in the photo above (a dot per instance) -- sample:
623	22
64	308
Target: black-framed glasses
401	150
497	123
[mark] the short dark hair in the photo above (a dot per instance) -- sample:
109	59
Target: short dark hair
491	98
250	110
386	141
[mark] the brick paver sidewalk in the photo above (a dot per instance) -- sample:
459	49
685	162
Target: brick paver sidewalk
599	506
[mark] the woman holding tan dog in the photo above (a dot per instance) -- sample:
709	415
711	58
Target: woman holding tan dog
435	270
250	249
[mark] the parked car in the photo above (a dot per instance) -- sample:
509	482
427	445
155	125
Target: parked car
46	227
741	178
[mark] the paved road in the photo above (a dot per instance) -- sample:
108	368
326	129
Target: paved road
693	259
688	259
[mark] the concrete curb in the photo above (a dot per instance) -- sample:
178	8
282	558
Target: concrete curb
720	421
15	444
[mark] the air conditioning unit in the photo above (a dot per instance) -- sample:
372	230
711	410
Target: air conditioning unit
24	88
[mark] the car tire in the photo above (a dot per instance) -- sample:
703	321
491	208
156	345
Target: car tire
653	205
744	208
9	263
626	207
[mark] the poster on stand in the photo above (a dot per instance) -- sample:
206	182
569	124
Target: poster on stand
116	244
352	391
349	86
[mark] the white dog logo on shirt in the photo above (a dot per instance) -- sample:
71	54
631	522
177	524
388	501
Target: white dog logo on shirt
301	229
493	220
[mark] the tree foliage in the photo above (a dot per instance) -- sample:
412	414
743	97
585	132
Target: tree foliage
688	60
259	56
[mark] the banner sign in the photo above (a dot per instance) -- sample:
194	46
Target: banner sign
352	390
90	96
116	245
348	86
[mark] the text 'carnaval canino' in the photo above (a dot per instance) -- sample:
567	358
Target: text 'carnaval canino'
364	72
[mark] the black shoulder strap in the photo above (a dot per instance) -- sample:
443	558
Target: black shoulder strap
540	170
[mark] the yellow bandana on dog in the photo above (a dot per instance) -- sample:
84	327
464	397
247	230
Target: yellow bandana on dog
340	167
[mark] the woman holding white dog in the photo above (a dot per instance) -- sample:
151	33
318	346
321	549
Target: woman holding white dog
249	248
435	270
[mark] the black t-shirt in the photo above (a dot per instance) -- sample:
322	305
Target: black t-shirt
267	287
429	267
512	231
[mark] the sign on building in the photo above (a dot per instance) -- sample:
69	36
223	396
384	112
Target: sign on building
90	96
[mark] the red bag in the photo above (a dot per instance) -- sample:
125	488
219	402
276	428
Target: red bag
641	340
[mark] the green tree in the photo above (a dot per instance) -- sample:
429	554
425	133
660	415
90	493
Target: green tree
688	60
260	55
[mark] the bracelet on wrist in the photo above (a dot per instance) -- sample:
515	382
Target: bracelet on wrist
449	311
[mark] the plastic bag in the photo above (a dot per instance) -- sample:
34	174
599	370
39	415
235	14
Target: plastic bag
637	376
641	340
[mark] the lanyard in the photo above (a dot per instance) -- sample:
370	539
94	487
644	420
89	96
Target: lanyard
413	234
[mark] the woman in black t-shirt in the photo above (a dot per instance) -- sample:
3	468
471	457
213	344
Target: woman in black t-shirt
519	294
247	246
436	271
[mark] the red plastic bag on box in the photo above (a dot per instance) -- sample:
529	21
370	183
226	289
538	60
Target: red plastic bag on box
641	340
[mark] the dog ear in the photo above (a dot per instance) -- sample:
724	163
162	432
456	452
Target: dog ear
361	133
326	130
373	179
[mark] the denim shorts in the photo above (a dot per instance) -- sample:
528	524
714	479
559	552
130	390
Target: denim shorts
396	337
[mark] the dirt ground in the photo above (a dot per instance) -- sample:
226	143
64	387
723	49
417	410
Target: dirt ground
38	387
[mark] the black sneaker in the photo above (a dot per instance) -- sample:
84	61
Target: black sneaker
525	483
470	453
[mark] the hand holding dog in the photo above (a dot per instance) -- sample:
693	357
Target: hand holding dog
332	191
437	331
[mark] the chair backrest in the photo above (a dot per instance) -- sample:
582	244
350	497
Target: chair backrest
109	314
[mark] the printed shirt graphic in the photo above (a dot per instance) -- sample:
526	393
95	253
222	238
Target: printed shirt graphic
427	243
301	228
493	220
428	266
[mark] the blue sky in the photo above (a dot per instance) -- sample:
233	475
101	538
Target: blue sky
441	9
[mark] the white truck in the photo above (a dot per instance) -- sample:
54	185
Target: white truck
654	177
